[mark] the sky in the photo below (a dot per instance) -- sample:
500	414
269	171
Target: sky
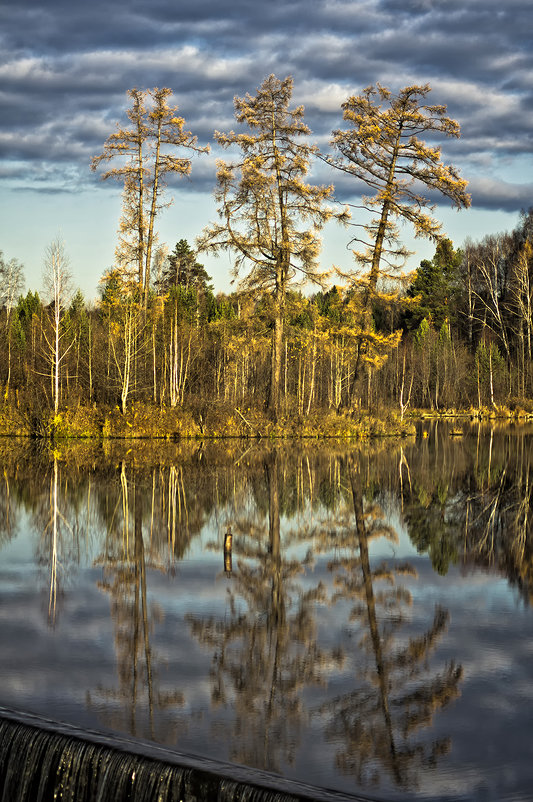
66	67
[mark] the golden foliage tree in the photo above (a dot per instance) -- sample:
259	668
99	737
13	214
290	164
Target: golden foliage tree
270	217
146	155
382	147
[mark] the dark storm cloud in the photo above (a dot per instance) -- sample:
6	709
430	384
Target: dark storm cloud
65	68
499	195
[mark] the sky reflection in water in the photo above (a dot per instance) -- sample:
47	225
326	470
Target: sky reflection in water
373	635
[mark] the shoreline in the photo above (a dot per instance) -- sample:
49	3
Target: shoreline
145	421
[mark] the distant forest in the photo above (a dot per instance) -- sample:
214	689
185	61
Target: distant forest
455	334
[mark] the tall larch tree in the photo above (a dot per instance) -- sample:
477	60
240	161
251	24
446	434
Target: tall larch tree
269	216
383	148
145	155
127	146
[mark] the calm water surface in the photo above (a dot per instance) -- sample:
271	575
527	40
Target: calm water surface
367	629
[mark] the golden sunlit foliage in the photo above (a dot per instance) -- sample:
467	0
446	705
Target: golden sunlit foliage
382	148
456	334
270	217
146	155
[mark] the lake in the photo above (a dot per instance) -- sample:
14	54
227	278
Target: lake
355	617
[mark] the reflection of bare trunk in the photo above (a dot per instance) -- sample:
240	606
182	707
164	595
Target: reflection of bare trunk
124	561
272	472
403	461
381	666
54	510
395	694
57	549
277	611
521	521
177	513
125	511
276	624
140	575
8	503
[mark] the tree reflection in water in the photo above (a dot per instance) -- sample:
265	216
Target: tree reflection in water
273	665
265	649
130	708
396	693
57	550
470	503
8	511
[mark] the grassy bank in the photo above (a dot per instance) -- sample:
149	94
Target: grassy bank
218	420
215	421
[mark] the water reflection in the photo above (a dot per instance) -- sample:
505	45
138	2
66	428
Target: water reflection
58	548
470	503
228	553
130	708
264	648
265	603
8	521
396	693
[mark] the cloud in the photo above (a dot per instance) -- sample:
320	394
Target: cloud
65	69
489	193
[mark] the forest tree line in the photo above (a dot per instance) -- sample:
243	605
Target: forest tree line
457	333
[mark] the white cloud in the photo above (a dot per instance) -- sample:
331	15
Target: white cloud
65	75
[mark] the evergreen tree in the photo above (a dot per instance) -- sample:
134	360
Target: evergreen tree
181	269
436	285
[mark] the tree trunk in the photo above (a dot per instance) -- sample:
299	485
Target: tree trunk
277	346
374	271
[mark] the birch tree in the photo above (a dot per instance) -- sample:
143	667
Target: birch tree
269	216
491	288
57	283
522	294
382	147
11	285
121	306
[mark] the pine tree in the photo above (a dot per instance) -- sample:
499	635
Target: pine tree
436	286
181	269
